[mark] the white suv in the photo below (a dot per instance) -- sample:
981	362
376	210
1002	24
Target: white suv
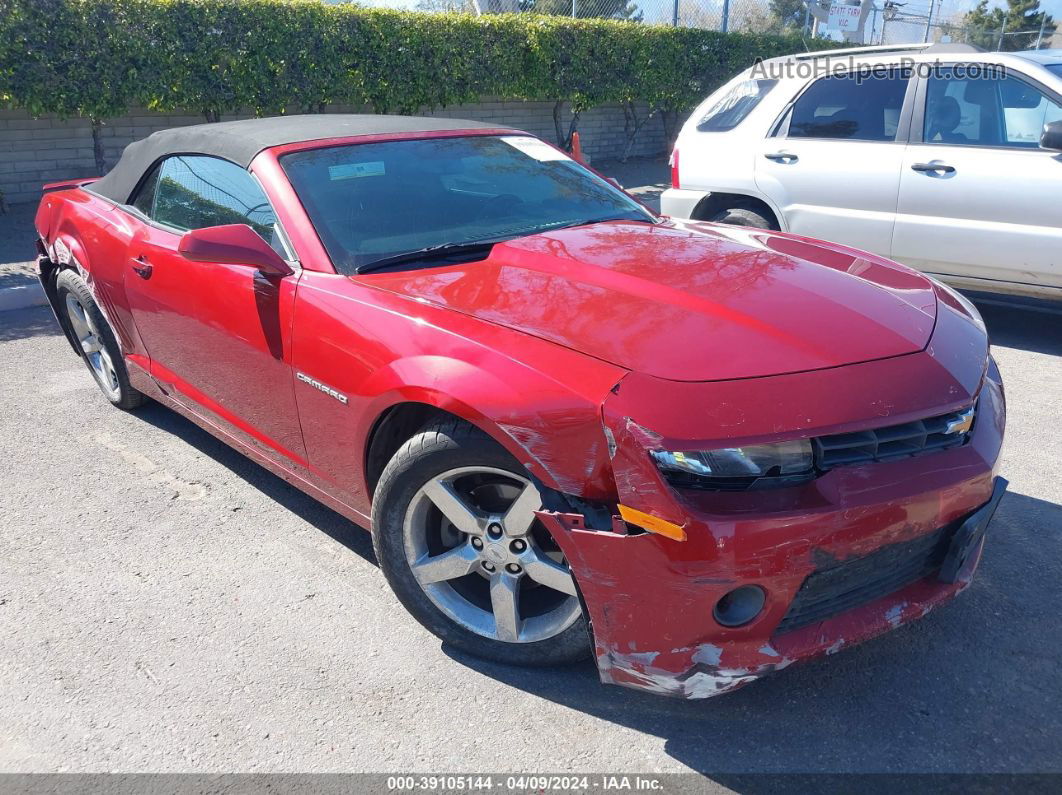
943	157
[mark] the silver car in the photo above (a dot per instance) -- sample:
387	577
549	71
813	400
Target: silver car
942	157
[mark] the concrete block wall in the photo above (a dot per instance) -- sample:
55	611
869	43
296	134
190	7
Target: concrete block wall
46	149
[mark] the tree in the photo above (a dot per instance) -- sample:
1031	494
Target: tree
1015	27
446	5
698	14
601	9
95	63
753	20
789	13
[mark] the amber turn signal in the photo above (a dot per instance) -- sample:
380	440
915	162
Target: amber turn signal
653	524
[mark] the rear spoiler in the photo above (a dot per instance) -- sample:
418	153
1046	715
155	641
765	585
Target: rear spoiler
68	183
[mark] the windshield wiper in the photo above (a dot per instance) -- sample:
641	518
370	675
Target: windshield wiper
587	221
441	251
444	250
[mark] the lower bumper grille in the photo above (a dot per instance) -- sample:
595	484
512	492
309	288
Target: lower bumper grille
841	586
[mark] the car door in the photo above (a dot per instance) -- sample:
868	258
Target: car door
832	165
218	334
978	196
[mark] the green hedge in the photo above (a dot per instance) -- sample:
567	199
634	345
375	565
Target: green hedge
97	58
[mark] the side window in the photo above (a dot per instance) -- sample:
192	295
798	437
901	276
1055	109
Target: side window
145	195
859	106
196	191
730	110
985	111
1025	112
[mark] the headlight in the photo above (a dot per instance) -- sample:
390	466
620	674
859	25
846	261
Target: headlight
737	468
964	303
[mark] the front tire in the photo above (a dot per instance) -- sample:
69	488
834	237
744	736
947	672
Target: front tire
456	536
98	347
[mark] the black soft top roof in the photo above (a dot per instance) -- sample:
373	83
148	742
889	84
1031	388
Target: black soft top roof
240	141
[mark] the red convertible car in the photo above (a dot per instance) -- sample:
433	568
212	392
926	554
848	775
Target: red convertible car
698	452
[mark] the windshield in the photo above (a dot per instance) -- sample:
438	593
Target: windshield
381	200
1054	67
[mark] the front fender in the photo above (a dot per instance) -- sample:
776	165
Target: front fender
59	247
553	432
81	231
539	400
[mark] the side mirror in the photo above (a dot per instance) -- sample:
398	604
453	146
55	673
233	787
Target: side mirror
1052	136
234	244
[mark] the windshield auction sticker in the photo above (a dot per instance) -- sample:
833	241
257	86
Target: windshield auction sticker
356	170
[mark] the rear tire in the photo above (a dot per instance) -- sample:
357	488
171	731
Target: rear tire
743	216
480	572
98	347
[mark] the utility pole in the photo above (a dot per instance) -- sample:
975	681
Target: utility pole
929	22
888	13
674	15
726	15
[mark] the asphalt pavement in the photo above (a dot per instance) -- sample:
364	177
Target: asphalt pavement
167	605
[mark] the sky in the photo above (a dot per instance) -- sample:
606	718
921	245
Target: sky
1053	7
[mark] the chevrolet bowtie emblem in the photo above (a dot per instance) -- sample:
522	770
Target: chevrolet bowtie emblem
961	423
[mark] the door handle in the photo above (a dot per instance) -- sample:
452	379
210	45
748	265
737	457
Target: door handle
142	267
782	157
932	168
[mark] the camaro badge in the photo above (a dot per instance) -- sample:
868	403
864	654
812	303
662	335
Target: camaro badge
322	387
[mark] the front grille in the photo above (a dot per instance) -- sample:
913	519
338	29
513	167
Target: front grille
894	441
859	447
838	586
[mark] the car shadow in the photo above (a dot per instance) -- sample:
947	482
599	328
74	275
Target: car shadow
338	527
1025	323
971	687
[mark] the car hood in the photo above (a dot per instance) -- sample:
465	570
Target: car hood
689	301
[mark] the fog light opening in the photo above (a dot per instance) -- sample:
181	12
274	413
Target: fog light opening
740	606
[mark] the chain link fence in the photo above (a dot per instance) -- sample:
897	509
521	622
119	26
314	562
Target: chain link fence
885	21
907	21
754	16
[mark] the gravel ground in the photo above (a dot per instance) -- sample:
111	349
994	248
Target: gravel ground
167	605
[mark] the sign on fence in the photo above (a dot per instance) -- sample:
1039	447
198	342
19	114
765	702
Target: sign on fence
843	18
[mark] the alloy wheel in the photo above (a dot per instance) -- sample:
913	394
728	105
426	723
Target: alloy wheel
477	550
93	347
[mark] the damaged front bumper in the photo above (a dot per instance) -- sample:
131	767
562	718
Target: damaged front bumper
636	632
854	553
